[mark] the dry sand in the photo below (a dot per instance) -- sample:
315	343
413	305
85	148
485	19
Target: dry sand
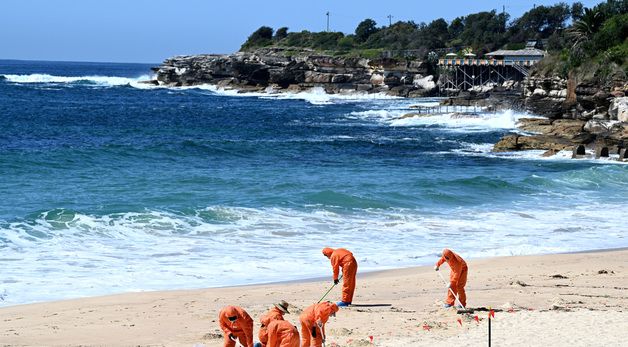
584	306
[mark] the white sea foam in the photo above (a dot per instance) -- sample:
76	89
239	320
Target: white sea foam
315	96
318	96
462	122
81	255
98	80
380	116
486	150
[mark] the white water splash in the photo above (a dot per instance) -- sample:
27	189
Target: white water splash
464	122
98	80
83	255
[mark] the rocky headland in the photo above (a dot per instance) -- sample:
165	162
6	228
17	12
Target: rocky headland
279	69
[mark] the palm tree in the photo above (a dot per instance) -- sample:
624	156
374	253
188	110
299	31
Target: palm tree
582	30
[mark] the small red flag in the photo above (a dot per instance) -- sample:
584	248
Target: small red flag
426	327
371	338
511	310
491	313
477	319
460	321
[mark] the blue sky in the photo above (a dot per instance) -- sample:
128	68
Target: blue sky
152	30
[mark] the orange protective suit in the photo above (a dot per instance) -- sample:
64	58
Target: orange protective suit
457	278
241	328
341	258
310	319
282	334
272	315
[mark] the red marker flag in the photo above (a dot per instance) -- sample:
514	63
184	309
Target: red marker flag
371	338
460	321
477	319
426	327
491	313
511	310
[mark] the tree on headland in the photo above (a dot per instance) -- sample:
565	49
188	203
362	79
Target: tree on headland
540	22
281	33
436	34
259	38
577	10
365	29
483	31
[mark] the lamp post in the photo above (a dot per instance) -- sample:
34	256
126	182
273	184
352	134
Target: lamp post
327	21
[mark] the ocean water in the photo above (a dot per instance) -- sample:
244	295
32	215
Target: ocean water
108	185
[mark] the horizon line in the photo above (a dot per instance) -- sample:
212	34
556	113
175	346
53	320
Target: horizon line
78	61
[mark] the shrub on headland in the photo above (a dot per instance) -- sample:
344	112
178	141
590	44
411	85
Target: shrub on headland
259	38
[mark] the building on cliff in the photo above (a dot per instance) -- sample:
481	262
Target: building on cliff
495	68
525	57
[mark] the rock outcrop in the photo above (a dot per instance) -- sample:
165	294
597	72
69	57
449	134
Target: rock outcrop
592	113
282	69
618	109
559	134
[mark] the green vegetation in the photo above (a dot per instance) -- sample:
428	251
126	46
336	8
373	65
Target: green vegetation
572	34
598	38
482	32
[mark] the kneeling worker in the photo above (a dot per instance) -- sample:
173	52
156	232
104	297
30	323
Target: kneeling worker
342	258
313	321
457	277
275	313
282	334
237	325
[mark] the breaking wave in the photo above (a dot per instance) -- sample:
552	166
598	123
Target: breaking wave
94	255
97	80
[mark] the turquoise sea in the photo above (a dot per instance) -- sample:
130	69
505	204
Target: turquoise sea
108	185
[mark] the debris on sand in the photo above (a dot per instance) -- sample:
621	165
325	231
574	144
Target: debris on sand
559	276
521	283
212	336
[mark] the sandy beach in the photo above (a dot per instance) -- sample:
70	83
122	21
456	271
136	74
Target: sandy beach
578	299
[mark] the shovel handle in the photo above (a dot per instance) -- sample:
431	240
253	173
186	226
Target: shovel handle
452	291
329	290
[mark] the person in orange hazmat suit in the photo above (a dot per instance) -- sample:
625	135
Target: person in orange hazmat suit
275	313
282	334
237	325
313	321
457	277
342	258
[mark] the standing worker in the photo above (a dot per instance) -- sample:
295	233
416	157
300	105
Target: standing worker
313	321
457	277
342	258
237	325
275	313
282	334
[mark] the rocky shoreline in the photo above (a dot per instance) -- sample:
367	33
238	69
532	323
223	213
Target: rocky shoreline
577	114
588	112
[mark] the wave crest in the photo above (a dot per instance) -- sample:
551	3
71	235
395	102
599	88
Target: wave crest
97	80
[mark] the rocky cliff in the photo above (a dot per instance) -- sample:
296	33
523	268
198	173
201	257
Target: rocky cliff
591	112
281	69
